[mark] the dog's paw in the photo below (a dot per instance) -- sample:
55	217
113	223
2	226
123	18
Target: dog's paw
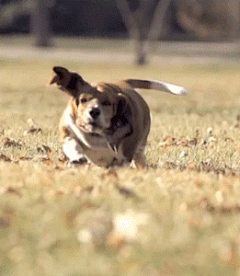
78	162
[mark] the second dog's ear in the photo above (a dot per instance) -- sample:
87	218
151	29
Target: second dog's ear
72	83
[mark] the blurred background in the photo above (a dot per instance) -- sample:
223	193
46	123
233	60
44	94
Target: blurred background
207	27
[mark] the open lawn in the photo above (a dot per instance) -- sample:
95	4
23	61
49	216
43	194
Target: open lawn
181	216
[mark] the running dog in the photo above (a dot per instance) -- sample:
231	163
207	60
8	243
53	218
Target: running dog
106	123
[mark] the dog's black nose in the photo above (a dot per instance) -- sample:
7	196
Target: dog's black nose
95	112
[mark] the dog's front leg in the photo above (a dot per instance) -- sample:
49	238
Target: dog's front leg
73	150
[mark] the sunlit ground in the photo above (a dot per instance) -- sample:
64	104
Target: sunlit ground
178	217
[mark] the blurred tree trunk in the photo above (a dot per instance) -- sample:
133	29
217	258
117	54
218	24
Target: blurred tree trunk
233	18
40	23
216	20
157	24
141	27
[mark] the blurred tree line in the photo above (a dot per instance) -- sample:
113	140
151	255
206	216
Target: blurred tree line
142	20
75	17
174	19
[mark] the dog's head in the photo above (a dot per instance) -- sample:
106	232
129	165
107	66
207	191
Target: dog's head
96	108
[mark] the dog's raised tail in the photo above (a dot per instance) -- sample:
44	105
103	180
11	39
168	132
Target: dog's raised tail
157	85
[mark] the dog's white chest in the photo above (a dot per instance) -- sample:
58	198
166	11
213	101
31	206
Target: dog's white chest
94	147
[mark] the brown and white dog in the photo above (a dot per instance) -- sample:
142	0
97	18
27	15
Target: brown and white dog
106	123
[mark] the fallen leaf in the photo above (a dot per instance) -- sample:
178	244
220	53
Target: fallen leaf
198	183
9	142
229	139
169	140
88	189
46	160
193	142
12	190
4	158
25	158
44	149
63	158
33	131
169	165
116	241
126	192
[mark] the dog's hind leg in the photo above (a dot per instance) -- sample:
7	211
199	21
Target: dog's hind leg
139	158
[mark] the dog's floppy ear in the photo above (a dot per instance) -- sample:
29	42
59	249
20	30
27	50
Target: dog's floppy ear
123	113
70	82
122	106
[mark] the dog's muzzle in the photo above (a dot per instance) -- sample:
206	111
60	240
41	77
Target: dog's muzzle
94	113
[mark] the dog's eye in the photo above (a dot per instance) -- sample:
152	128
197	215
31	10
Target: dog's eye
106	103
83	100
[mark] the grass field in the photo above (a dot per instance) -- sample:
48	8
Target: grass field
181	216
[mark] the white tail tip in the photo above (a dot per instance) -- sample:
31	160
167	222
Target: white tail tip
168	87
176	89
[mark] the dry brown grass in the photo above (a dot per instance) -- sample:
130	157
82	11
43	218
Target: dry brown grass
178	217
